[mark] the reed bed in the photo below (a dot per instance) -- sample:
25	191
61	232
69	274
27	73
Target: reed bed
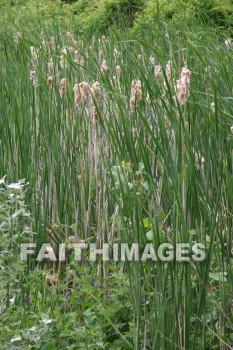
129	140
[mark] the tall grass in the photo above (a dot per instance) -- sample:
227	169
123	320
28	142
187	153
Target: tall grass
162	173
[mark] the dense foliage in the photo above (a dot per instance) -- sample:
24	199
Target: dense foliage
94	15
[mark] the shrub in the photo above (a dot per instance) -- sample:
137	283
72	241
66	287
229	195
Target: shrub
219	11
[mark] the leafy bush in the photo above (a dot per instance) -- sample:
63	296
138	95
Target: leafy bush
218	10
14	230
92	15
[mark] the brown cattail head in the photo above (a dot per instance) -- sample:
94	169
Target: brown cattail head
63	88
116	53
85	90
136	94
33	77
96	90
52	42
77	95
69	36
76	56
50	82
34	54
62	57
50	67
95	116
44	44
182	86
104	67
118	71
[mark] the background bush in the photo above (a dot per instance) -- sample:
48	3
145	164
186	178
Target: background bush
91	15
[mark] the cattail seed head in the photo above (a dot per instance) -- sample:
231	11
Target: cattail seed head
136	94
63	88
33	77
76	57
118	71
182	86
50	82
50	67
96	90
77	95
62	57
52	42
69	36
85	90
34	54
95	116
44	44
116	53
104	67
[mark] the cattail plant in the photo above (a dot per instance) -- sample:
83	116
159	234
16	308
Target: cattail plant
50	67
63	88
76	56
182	86
104	67
96	90
116	54
44	44
52	43
118	71
62	57
136	94
34	55
77	95
95	116
85	90
50	82
34	77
